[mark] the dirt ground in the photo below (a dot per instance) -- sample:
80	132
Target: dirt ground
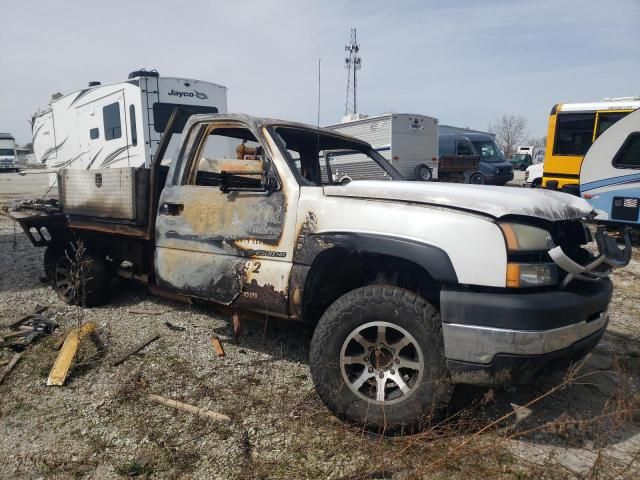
100	425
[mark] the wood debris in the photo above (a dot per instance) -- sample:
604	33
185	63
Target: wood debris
145	312
60	369
175	328
215	341
237	325
136	349
10	366
202	412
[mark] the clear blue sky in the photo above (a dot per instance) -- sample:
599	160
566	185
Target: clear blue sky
464	62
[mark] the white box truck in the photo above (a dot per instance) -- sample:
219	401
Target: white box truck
7	153
408	141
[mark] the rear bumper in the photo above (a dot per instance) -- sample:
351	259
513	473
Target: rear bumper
510	338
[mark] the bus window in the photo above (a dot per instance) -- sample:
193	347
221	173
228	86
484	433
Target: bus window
605	120
574	133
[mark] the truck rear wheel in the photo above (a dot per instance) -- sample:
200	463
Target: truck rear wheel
377	359
422	172
83	283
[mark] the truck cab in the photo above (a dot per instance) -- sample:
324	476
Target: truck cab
248	214
8	153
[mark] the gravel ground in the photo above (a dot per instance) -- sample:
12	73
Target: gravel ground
99	425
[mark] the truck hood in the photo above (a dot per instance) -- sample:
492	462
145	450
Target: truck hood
494	201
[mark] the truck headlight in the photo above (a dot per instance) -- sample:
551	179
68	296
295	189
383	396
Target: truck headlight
524	238
531	274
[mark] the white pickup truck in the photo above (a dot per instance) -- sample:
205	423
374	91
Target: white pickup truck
410	287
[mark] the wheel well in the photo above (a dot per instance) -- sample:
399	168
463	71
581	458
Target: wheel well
338	271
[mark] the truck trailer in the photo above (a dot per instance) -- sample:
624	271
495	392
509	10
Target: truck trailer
408	141
120	124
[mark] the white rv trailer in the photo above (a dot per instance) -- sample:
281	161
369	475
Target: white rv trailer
610	173
8	153
408	141
120	124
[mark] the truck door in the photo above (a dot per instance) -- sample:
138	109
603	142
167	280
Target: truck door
219	234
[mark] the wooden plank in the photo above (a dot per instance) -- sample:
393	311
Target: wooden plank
136	349
145	312
60	369
215	341
202	412
9	367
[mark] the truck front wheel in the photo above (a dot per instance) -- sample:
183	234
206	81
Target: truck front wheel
377	359
82	281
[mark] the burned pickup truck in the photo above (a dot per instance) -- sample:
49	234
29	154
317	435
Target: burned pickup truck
410	287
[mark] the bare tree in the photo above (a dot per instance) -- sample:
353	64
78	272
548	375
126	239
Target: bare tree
510	131
537	142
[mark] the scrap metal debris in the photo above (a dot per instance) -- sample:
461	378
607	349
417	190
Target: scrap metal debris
202	412
136	349
26	329
60	369
20	321
215	341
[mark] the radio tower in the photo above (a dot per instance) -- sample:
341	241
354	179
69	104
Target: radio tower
352	63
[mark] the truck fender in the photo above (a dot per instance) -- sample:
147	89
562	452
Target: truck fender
432	259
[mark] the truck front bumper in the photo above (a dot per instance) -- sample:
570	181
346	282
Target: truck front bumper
510	338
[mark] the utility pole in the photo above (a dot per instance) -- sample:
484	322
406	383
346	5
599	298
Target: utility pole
352	63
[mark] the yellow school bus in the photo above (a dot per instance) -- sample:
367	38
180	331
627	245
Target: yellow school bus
573	127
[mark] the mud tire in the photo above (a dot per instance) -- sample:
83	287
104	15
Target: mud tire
92	290
399	307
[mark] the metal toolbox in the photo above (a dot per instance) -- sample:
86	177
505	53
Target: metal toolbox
109	193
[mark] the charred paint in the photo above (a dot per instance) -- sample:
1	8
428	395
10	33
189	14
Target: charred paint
297	281
213	277
308	244
264	298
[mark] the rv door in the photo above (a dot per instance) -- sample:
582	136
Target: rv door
103	132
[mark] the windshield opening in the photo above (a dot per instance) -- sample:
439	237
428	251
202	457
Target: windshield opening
488	151
7	152
320	158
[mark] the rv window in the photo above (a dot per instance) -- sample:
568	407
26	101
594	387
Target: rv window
605	120
629	155
162	112
574	133
94	133
111	119
134	130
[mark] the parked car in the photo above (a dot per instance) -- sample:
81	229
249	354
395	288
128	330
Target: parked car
402	303
533	175
493	169
520	161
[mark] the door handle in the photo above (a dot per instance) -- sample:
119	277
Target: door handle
173	209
